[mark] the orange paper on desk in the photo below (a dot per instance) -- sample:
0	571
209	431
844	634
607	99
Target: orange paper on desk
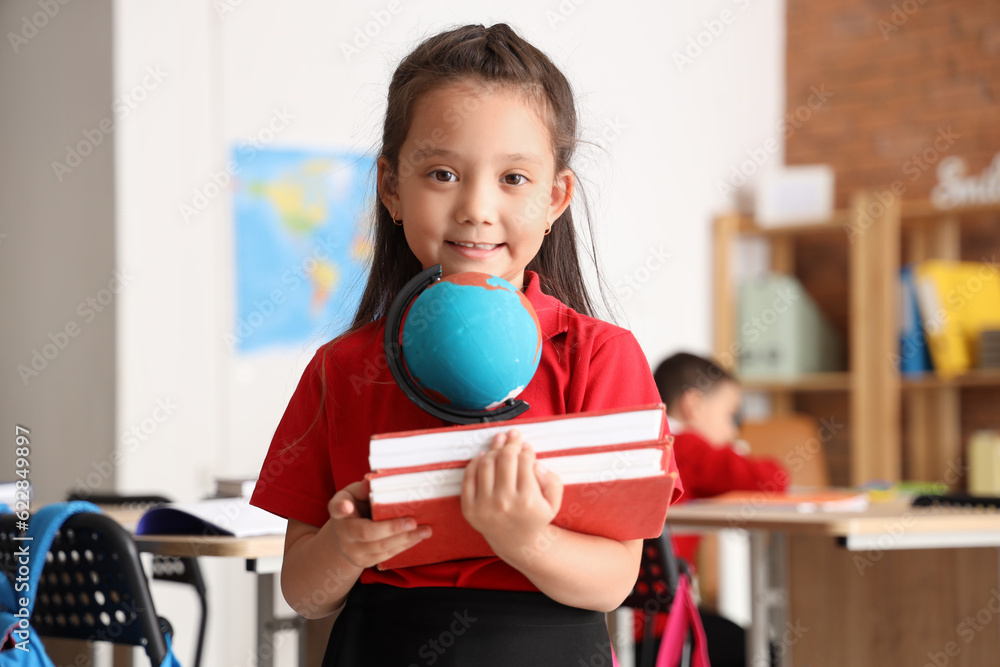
613	465
818	500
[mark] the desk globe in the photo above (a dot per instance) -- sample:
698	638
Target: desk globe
471	341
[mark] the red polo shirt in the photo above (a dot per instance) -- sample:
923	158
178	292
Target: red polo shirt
586	365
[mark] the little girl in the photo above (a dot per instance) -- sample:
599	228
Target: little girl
474	175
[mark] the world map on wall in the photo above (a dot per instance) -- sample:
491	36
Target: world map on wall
302	247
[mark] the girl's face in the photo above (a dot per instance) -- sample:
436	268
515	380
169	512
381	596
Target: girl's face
476	186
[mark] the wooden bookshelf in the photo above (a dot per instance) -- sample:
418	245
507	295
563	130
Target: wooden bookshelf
903	232
974	378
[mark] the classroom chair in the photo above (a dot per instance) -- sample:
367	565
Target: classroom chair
93	587
793	437
180	570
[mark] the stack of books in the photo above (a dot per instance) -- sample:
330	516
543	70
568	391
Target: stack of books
613	465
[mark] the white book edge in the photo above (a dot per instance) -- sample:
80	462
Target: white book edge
583	431
574	469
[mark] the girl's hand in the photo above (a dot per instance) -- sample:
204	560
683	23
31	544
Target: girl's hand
509	497
363	542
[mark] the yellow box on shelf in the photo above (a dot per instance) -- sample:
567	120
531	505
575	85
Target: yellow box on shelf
957	301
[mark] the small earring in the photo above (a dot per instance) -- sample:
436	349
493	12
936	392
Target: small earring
398	223
548	228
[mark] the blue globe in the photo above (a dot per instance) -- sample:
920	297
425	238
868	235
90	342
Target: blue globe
471	341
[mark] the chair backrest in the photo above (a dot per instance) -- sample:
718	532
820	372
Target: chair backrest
92	586
176	569
795	441
658	573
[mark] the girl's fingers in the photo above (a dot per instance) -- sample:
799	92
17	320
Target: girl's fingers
485	473
390	546
341	505
506	464
469	482
551	485
526	469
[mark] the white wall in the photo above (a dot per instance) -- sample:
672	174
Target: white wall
209	78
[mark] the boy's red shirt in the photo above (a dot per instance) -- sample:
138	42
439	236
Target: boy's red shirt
709	470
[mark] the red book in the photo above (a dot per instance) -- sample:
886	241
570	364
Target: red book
613	464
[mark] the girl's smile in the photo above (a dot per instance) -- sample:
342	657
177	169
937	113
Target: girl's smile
476	251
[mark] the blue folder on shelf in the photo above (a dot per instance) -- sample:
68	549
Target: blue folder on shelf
914	356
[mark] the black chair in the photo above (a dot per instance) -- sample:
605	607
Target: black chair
92	587
181	570
654	591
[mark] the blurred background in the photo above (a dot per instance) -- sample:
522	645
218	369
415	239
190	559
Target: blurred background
184	188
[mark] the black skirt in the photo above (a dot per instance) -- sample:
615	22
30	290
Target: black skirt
389	626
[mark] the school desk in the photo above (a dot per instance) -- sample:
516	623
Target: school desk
892	585
262	556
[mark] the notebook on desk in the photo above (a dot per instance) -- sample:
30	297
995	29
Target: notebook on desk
216	516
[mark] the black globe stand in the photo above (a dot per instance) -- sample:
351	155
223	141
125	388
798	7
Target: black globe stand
509	409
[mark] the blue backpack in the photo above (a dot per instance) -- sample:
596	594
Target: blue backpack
20	645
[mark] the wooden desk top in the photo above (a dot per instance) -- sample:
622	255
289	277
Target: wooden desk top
197	545
879	518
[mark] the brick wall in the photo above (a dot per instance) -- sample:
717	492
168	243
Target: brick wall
899	73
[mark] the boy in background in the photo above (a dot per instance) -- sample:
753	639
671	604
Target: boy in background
703	404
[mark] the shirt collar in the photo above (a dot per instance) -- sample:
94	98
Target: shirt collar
675	425
553	314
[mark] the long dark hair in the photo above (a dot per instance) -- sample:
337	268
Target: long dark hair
494	56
